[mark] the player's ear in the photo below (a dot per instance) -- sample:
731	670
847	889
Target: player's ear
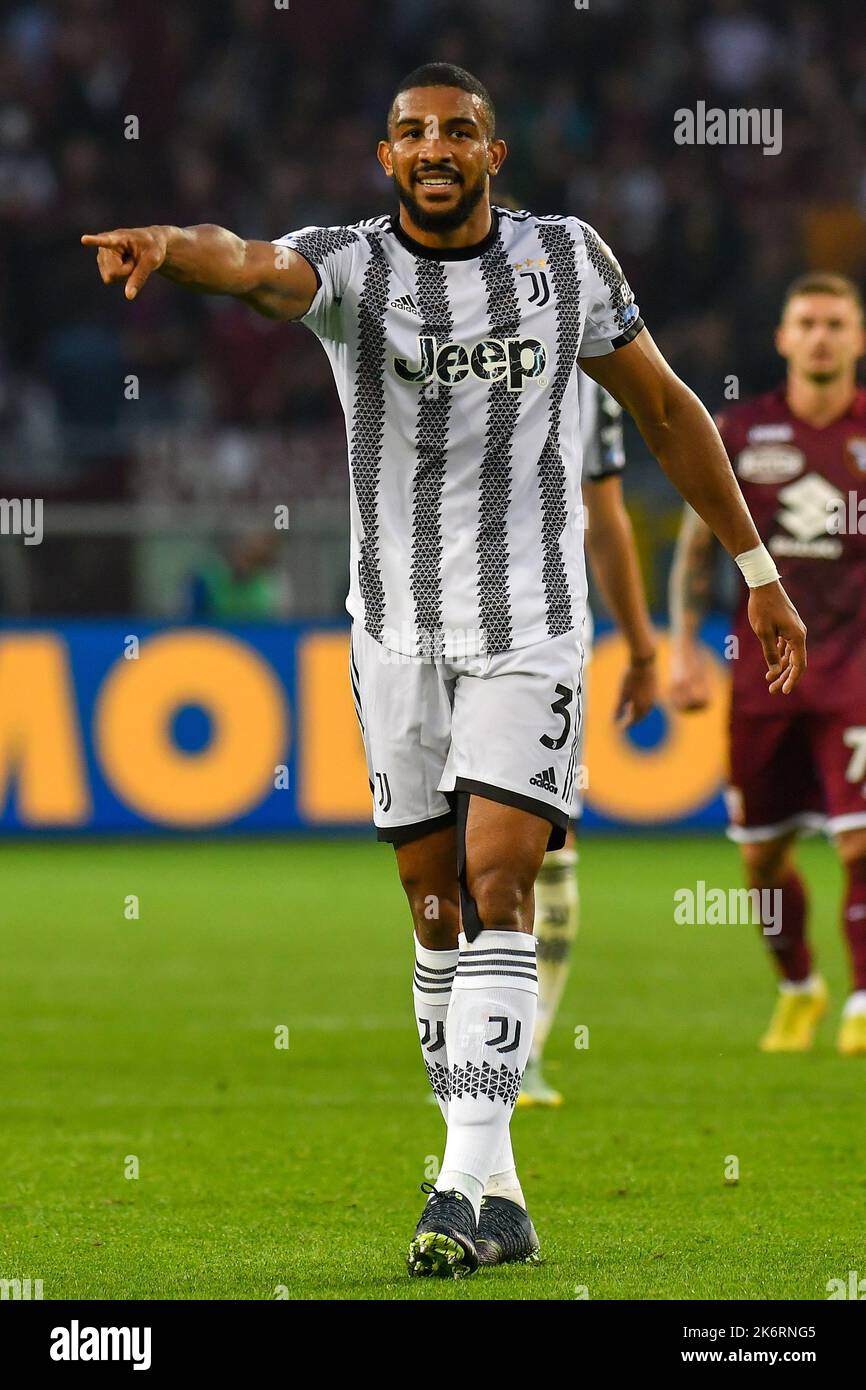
496	156
383	154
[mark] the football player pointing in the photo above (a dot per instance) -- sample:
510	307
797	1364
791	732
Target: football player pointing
454	353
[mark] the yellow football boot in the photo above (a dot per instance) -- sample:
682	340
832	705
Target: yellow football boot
851	1041
535	1090
795	1019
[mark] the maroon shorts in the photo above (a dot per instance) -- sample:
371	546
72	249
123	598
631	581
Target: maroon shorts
804	771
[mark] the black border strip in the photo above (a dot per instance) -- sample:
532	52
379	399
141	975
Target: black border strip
559	819
313	268
397	835
630	333
447	253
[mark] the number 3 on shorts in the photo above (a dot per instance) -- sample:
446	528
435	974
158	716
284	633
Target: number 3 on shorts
855	738
560	707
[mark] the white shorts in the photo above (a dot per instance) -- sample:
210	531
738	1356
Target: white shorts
506	727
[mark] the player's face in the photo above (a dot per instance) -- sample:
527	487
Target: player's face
821	336
440	155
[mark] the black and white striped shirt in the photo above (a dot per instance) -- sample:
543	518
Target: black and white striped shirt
457	374
601	433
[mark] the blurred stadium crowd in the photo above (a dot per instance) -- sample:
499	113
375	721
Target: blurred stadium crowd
266	119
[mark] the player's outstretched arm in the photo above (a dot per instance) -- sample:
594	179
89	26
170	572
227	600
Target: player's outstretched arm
274	280
688	601
681	434
613	555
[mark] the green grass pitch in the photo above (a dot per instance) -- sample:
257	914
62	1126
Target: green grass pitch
262	1167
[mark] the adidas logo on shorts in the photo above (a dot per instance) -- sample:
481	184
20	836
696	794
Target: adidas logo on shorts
545	780
406	302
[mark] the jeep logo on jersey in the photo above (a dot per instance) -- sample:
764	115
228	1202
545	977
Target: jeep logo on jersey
514	360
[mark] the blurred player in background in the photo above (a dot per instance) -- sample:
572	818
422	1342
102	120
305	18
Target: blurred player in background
238	582
613	557
799	454
453	329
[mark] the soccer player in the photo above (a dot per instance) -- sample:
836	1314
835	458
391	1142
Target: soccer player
453	328
799	453
613	557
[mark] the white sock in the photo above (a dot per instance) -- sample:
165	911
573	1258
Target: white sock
488	1034
431	993
557	908
503	1181
799	986
855	1004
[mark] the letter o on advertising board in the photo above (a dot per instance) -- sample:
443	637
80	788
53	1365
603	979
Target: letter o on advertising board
682	773
133	721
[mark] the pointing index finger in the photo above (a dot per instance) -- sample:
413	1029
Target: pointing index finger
111	240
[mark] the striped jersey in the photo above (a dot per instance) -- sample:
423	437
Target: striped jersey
601	435
456	370
603	447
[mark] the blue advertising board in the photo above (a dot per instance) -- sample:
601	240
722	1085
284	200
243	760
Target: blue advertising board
111	727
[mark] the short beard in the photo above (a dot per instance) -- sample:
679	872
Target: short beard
442	221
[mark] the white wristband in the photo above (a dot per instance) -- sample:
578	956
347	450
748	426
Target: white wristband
758	566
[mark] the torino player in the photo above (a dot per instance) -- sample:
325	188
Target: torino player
454	328
799	454
613	557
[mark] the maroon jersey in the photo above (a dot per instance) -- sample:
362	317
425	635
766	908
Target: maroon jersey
806	490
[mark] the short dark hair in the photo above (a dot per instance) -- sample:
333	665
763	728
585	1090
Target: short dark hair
823	282
449	75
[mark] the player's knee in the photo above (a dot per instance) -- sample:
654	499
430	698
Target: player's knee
435	910
438	936
764	865
502	897
851	845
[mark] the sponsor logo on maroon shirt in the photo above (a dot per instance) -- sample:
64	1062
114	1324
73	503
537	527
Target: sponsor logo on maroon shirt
797	482
856	450
770	463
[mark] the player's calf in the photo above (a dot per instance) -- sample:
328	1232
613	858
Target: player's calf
500	851
428	872
802	998
851	844
490	1018
769	867
556	920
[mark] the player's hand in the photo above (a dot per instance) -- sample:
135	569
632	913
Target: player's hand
780	631
129	253
638	692
690	686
